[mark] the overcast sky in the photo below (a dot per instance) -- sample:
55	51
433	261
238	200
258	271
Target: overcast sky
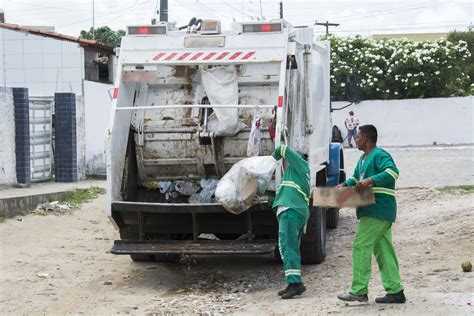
355	17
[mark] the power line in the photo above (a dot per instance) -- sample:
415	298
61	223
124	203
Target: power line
239	11
389	12
197	2
105	15
378	29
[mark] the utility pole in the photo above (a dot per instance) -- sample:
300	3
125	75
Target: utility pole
164	10
93	19
261	11
281	9
327	25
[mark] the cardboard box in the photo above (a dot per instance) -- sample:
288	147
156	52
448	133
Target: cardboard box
342	197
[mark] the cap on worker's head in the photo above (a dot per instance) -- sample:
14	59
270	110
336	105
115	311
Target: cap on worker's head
351	113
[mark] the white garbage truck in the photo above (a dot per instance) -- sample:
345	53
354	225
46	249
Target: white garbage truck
183	103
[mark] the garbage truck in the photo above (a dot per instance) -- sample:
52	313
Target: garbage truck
183	103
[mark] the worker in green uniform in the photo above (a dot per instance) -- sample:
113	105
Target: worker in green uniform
291	207
377	169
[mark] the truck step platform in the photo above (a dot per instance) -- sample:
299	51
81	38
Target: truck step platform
190	247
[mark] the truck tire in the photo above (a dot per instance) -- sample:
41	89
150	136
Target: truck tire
277	255
313	243
332	218
138	257
332	215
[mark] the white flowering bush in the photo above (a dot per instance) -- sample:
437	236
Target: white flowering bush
399	68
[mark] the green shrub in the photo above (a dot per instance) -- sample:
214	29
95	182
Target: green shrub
399	68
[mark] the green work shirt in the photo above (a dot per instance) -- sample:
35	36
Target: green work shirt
294	189
379	166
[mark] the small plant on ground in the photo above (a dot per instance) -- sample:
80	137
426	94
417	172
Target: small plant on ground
467	188
80	196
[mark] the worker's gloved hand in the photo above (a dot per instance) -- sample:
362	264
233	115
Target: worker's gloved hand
362	184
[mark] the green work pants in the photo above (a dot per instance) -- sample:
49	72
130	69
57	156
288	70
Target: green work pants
374	236
290	229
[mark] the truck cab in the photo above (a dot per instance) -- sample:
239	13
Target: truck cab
159	133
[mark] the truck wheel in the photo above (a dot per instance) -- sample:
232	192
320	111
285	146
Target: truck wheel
128	233
277	255
332	215
166	257
138	257
313	243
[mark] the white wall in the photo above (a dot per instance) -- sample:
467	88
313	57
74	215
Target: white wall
414	121
81	137
43	65
7	137
97	112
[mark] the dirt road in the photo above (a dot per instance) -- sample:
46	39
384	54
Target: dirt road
62	265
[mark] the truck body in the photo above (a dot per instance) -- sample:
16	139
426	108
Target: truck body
158	131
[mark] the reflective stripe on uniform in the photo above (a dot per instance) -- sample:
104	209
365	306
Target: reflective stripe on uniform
294	186
381	190
292	272
283	151
392	173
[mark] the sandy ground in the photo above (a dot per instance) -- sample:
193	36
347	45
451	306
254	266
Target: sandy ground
426	166
61	265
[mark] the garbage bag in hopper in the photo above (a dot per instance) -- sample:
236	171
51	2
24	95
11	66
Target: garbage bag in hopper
221	86
255	139
246	179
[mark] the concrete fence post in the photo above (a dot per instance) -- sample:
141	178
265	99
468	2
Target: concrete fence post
22	136
65	158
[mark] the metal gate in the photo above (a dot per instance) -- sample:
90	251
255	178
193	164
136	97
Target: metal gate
41	137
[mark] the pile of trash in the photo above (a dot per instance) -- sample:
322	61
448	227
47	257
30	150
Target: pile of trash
52	208
201	191
246	180
238	189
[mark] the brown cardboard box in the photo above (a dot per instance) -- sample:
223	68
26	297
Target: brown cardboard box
249	191
342	197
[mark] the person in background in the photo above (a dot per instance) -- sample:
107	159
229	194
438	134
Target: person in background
336	135
291	207
376	169
351	125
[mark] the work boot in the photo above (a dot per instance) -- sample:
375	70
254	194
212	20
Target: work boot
349	297
397	298
293	289
280	293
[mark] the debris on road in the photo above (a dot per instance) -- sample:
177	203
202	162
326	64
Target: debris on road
42	275
466	266
52	208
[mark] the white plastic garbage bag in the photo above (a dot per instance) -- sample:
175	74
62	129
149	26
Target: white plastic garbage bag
220	84
186	187
255	139
246	179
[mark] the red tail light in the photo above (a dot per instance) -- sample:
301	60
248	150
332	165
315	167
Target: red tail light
147	30
266	28
261	27
143	30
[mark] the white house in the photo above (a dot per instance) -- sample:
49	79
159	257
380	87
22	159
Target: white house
46	63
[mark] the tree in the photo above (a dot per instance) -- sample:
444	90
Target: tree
105	35
399	68
468	37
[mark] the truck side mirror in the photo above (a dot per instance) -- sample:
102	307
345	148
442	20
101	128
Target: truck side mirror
352	91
